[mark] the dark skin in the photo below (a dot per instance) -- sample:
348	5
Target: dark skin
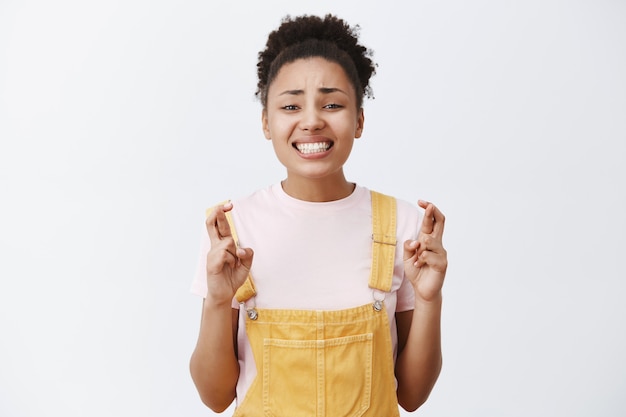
213	365
419	331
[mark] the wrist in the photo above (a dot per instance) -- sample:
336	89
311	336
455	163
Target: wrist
218	294
213	302
428	304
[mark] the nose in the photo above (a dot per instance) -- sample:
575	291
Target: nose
312	119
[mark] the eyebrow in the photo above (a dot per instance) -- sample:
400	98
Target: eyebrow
323	90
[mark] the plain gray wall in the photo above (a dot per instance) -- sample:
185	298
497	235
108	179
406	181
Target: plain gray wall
120	121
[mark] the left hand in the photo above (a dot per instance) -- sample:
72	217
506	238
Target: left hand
425	259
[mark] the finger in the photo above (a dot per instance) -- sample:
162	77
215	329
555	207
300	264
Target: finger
440	221
231	253
211	226
437	261
217	224
218	258
429	243
423	259
429	221
223	228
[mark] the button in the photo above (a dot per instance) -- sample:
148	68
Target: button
252	314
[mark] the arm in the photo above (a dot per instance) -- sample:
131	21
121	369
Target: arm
213	365
419	331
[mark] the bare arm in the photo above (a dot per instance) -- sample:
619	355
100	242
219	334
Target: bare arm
419	355
419	331
214	367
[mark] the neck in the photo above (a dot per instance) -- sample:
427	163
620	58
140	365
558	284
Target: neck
319	191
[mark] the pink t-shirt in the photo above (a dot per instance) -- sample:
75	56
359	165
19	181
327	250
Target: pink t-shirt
311	256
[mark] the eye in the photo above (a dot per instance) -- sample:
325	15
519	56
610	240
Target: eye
290	107
333	106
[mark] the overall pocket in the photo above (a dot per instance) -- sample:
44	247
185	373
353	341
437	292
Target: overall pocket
317	378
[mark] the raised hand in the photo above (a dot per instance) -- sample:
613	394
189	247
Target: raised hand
227	266
425	259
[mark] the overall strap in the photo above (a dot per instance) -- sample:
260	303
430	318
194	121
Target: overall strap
383	241
247	290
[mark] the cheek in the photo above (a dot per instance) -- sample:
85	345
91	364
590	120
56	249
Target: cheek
279	126
281	151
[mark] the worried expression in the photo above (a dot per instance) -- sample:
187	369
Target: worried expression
312	118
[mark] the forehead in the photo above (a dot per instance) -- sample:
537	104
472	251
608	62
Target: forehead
314	73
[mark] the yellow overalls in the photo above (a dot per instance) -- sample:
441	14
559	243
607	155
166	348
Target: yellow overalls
326	363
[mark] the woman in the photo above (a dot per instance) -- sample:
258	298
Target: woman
321	297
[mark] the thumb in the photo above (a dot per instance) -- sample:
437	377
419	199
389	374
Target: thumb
410	250
245	256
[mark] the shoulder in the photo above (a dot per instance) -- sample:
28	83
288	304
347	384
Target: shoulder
257	200
403	207
408	217
407	209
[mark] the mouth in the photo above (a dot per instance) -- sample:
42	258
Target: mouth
308	148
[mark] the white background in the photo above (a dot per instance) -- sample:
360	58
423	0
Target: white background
120	121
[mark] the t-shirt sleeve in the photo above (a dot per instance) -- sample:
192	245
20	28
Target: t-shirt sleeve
406	297
409	222
198	285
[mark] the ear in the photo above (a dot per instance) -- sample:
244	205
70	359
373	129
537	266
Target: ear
265	125
359	124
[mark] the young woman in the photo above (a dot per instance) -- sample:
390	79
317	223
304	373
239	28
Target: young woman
321	297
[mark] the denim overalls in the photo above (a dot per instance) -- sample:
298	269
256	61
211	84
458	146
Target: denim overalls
326	363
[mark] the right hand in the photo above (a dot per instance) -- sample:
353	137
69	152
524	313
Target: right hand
227	266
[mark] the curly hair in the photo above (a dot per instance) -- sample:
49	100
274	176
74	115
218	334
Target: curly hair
307	36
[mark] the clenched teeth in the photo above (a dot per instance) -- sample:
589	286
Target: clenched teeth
312	147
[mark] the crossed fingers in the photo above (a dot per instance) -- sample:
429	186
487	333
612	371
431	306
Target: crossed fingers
220	235
428	247
431	251
434	219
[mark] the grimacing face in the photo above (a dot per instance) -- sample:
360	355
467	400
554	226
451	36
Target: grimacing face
312	119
